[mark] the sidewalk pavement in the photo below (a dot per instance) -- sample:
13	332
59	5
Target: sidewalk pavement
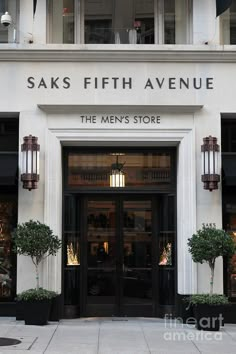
116	336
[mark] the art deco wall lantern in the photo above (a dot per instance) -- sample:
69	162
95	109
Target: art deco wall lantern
117	176
30	162
210	163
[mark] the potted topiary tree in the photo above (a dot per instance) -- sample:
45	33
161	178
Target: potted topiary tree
36	240
207	245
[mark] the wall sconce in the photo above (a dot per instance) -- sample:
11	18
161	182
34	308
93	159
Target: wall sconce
210	163
117	176
30	162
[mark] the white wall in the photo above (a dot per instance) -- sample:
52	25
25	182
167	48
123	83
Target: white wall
205	23
170	104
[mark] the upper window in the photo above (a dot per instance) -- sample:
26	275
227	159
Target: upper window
120	21
106	169
7	34
228	25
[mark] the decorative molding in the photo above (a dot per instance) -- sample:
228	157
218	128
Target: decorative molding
53	208
186	187
118	53
114	109
186	213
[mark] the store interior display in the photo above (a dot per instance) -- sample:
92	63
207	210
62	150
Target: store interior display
166	255
73	256
6	215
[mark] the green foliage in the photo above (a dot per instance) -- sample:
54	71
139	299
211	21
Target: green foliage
209	243
214	299
36	240
36	295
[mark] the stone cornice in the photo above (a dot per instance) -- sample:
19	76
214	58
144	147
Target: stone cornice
114	53
145	109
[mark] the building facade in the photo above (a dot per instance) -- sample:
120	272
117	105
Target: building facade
120	95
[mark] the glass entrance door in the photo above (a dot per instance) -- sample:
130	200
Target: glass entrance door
102	255
136	255
120	259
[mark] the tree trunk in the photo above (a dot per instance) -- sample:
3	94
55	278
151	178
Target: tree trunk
37	276
212	267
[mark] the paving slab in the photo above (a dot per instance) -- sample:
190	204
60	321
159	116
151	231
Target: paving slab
122	351
172	351
17	351
73	348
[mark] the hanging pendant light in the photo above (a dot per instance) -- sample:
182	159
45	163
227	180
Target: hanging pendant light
210	163
117	176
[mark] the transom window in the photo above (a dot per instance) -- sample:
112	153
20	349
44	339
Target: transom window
120	21
143	169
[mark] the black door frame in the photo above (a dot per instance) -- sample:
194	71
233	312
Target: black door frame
151	193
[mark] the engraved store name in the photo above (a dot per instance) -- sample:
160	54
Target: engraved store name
122	83
122	119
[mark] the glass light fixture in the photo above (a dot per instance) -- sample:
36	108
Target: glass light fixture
117	176
210	163
30	162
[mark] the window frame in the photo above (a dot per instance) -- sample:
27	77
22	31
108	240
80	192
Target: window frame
12	30
159	35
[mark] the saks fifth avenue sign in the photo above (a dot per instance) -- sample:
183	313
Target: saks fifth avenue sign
121	83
